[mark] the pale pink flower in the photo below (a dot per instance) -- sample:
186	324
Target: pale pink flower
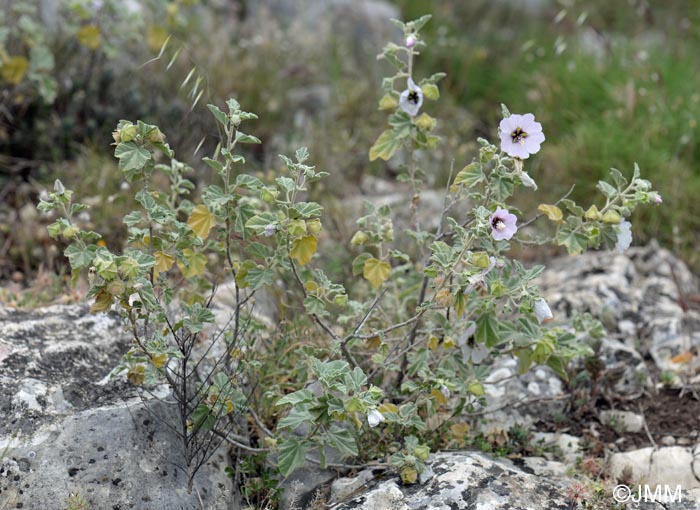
503	224
411	41
521	135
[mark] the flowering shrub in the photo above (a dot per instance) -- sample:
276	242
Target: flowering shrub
384	366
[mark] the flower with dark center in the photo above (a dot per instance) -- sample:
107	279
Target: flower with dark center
411	99
503	224
521	135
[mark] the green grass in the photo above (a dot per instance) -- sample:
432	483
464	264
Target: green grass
612	83
629	96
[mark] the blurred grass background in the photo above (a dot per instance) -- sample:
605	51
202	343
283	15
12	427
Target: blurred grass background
613	83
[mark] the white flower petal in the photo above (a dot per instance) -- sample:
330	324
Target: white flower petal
479	353
467	333
374	418
624	236
542	311
528	181
445	391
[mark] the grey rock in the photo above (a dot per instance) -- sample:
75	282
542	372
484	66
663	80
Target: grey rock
70	428
471	480
672	465
343	488
567	445
465	480
641	296
120	456
625	420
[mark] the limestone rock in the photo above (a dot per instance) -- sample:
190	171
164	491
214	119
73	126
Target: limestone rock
672	465
625	420
640	295
117	457
471	480
465	480
69	428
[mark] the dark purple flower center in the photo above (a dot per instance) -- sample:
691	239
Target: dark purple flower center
413	97
498	224
518	135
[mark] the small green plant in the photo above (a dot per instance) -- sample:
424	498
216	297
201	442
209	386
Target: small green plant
381	367
76	501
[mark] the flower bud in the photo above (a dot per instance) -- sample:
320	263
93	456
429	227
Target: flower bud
611	217
155	136
592	213
359	238
70	232
268	195
341	299
314	226
411	41
425	122
128	133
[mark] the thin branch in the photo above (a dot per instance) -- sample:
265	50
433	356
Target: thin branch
237	444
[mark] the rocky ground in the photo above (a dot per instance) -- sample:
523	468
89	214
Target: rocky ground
68	428
623	425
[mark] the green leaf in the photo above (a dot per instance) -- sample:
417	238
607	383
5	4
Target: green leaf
131	156
295	418
248	181
315	305
386	145
216	165
608	190
214	196
292	455
259	277
558	364
132	218
356	379
286	184
420	22
469	176
258	223
574	242
487	330
618	178
295	398
504	111
244	138
194	263
80	257
203	418
358	265
306	210
218	114
443	253
342	440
